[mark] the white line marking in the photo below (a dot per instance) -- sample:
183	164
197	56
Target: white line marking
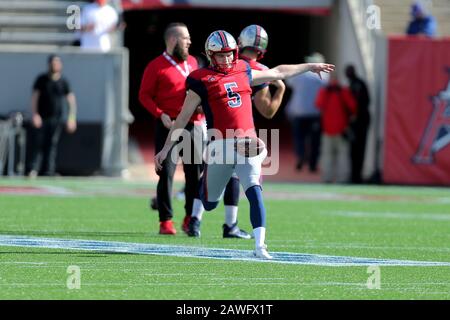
203	252
390	215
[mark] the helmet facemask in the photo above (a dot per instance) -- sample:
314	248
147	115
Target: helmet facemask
221	42
223	67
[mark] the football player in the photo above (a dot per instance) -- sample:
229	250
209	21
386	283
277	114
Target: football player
224	91
252	42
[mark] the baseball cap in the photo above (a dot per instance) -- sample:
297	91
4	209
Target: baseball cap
316	57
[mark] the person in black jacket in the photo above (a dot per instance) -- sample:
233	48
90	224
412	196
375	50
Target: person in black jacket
360	123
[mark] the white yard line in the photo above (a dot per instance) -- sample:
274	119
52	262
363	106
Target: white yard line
203	252
390	215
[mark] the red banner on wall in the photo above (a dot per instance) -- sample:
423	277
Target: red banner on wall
313	7
417	127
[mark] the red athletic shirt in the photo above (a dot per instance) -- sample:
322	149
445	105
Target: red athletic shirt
226	97
336	106
163	87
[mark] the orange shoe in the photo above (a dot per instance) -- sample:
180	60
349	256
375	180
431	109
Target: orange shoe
185	226
166	227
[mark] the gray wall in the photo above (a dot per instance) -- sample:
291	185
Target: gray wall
100	84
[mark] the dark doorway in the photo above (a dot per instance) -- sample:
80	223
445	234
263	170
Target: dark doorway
289	36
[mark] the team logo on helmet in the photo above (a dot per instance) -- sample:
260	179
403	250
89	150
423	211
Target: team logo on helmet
221	42
437	133
254	37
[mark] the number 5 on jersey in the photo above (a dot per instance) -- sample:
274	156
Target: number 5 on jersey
234	97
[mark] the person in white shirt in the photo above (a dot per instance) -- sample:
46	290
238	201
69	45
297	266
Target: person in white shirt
304	116
98	20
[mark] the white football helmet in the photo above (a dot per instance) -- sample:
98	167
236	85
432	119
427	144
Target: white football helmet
254	37
219	42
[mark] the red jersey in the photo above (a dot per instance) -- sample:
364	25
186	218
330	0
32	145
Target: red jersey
163	86
255	65
226	97
336	107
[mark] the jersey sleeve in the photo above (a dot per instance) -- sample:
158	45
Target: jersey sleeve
196	85
259	87
148	90
260	67
248	71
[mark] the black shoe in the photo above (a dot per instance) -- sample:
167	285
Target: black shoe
235	232
194	227
299	165
154	203
313	169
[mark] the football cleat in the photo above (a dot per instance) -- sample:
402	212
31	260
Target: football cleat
185	225
166	227
154	203
194	227
261	253
235	232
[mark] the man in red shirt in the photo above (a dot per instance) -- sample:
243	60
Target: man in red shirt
224	91
337	105
162	92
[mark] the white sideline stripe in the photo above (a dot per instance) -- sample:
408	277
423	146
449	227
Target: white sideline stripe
208	253
390	215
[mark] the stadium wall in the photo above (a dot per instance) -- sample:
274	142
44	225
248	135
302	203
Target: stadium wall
100	83
341	47
417	126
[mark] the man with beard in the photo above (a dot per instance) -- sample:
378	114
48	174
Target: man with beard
162	93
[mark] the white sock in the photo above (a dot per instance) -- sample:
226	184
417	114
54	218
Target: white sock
260	236
231	215
197	209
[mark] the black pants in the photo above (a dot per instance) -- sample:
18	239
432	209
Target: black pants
192	174
45	146
307	135
358	149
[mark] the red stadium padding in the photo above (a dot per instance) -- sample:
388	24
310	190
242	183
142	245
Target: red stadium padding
312	7
417	128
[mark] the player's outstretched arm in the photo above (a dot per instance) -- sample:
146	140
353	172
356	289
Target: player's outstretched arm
285	71
191	102
265	103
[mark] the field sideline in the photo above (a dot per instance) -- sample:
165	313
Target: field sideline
304	222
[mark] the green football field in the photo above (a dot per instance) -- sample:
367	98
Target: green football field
323	222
